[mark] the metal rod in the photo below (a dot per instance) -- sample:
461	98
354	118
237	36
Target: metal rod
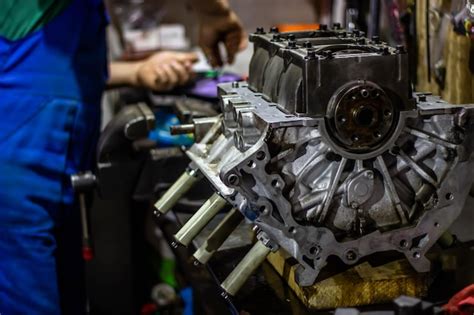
182	129
176	191
200	219
218	236
245	268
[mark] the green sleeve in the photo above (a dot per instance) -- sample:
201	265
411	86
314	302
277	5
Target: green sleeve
19	18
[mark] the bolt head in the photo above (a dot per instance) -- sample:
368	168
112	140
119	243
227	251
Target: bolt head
292	44
351	255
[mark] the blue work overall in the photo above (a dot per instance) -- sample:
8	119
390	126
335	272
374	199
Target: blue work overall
50	89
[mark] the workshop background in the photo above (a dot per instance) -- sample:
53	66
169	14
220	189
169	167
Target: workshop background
135	269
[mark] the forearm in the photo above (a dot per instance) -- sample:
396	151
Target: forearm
122	74
210	7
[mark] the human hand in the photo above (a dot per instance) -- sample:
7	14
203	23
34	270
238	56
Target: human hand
165	70
225	28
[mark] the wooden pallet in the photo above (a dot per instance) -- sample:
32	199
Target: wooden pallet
360	285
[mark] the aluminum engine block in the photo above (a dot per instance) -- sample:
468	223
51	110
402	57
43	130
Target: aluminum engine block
328	152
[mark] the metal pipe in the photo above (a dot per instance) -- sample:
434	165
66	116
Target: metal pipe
218	236
182	129
176	191
200	219
245	268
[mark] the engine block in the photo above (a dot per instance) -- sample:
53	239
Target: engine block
328	152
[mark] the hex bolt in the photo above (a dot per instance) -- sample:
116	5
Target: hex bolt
274	29
422	98
291	37
247	266
336	26
351	255
354	205
323	27
369	175
356	32
327	53
276	37
218	236
235	84
260	30
311	54
307	44
176	191
200	219
292	44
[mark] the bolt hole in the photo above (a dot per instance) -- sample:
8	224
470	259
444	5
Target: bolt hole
377	134
292	230
449	196
436	224
263	209
364	93
416	255
318	258
341	119
365	117
403	243
233	179
354	138
387	113
260	155
276	183
251	164
313	250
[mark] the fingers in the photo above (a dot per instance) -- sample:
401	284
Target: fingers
181	71
170	75
160	80
188	57
226	29
232	44
166	70
213	55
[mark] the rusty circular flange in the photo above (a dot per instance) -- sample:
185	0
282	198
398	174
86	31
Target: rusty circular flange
360	117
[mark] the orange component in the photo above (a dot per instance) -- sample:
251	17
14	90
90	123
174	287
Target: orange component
297	27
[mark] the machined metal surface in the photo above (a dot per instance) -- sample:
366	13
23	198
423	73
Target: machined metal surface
245	268
184	183
329	153
199	220
218	236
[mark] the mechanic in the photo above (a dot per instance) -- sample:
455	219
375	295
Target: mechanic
53	70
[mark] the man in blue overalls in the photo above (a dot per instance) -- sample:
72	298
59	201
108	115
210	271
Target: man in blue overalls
53	70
